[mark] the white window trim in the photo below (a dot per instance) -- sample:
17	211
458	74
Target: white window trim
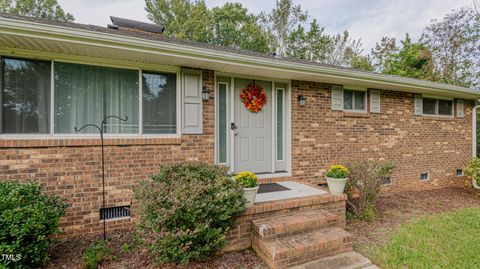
139	68
437	115
355	89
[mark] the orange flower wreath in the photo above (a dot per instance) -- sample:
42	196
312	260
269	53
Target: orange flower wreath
253	97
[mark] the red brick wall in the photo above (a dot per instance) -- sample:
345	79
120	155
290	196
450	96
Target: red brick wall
320	137
416	144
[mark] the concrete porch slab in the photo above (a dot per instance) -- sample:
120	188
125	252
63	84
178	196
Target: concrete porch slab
296	190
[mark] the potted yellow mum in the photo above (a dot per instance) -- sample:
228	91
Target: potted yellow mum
337	178
249	183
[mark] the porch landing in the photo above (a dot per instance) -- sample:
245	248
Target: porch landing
294	190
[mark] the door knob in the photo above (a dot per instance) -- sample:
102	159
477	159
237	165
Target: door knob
233	126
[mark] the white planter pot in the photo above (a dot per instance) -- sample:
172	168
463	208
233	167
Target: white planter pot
249	194
336	185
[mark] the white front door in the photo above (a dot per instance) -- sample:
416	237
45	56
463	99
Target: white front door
253	138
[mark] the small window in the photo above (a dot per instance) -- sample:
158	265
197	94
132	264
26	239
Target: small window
432	106
429	106
386	180
459	172
354	100
222	122
159	103
424	176
279	124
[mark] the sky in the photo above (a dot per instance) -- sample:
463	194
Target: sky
366	20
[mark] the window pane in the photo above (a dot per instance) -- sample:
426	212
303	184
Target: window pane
347	100
159	103
445	107
25	96
359	100
429	106
222	123
279	125
87	94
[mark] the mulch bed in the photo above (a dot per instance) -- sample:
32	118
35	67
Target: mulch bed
392	211
68	253
399	208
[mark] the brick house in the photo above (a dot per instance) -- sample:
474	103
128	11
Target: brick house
57	76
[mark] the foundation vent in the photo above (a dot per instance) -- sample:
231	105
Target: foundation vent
114	212
424	176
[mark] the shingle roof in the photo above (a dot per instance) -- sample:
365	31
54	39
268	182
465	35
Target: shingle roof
160	38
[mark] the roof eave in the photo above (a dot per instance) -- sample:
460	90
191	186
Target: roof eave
55	32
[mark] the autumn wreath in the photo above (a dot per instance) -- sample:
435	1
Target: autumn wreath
253	97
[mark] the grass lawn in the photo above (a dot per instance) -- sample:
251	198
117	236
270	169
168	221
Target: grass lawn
447	240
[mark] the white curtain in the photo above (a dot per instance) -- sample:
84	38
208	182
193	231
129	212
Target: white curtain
87	94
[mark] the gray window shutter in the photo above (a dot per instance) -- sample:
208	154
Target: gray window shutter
418	105
192	102
337	97
374	101
460	109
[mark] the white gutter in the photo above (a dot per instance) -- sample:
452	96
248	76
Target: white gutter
87	37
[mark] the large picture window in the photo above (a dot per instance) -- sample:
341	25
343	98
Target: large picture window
25	96
84	94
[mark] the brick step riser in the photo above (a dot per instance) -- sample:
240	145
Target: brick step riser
307	255
295	231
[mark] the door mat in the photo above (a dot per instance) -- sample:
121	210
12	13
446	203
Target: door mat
271	187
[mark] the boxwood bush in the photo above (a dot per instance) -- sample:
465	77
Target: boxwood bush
185	211
27	218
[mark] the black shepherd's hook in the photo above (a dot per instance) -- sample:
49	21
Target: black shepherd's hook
100	129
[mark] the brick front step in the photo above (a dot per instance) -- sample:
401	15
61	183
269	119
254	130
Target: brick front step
298	249
296	222
349	260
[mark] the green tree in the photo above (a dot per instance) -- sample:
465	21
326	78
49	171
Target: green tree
411	60
182	19
455	45
383	51
229	25
345	51
233	26
283	20
47	9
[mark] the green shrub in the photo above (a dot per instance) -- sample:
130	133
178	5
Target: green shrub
247	179
363	187
337	171
27	218
95	254
185	210
473	169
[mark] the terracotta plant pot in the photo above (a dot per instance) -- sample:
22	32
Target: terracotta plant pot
336	185
249	194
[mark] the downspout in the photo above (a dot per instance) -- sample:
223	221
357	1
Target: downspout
474	138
